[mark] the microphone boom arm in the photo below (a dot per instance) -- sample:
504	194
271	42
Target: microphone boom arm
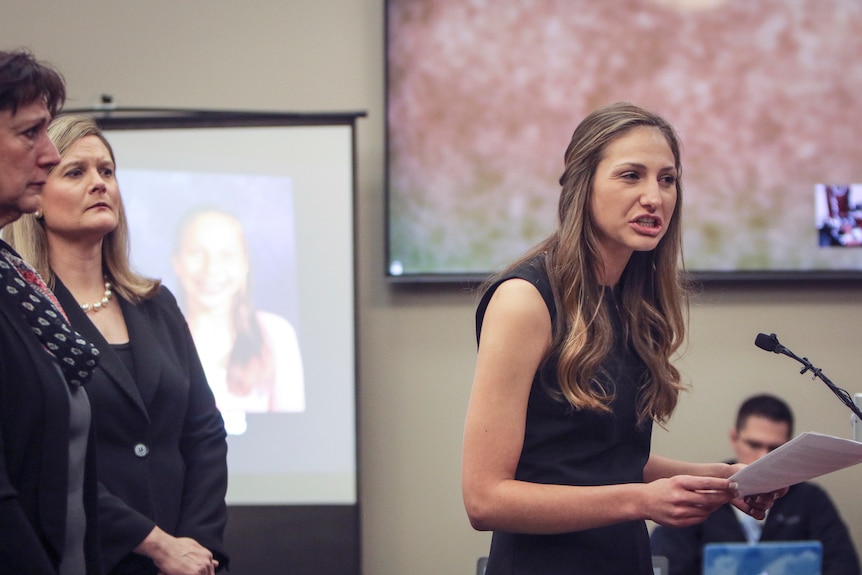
816	372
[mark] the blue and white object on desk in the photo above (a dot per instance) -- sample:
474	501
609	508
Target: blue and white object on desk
768	558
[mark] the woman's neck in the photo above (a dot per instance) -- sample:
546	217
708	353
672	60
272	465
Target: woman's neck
79	268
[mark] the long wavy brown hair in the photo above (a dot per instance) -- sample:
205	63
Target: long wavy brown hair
27	234
653	296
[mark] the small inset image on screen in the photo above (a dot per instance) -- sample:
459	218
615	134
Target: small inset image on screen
839	214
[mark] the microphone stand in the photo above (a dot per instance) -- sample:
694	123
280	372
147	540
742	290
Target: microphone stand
840	393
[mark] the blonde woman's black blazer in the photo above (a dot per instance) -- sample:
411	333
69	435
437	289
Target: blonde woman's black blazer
161	442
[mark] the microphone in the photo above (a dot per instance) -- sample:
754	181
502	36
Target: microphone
770	343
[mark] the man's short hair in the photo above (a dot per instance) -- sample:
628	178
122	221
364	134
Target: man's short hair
767	406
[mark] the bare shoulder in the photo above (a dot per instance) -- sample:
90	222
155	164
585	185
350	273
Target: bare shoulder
520	301
517	318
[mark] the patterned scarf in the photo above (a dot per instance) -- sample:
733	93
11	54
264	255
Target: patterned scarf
77	357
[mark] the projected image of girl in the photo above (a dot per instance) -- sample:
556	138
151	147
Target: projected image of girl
251	357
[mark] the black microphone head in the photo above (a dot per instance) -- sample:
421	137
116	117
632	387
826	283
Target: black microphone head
767	342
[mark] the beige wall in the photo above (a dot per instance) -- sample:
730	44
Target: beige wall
416	346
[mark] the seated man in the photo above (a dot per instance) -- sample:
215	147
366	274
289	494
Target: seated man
763	423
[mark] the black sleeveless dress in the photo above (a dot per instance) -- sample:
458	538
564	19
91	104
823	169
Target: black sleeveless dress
567	447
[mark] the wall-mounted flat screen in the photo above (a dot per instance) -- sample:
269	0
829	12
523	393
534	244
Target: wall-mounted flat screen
482	98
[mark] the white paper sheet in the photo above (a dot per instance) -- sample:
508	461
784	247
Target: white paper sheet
804	457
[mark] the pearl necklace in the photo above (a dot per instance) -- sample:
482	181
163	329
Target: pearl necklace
101	303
